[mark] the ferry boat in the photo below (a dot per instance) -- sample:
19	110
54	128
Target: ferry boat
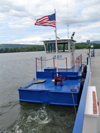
64	81
52	86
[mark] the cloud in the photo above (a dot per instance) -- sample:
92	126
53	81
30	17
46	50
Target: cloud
36	39
17	19
30	40
8	6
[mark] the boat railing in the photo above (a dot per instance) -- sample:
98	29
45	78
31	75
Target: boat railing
78	61
41	59
78	126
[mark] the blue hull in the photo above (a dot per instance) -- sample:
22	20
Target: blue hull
49	93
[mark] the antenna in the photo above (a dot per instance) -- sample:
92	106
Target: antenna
68	30
67	20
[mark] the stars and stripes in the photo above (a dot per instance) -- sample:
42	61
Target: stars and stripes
46	21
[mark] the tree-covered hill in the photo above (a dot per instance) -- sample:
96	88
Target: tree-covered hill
86	46
23	49
9	48
14	46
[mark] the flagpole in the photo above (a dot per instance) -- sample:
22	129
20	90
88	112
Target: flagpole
56	43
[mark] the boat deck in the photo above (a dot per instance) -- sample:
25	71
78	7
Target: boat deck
47	92
48	85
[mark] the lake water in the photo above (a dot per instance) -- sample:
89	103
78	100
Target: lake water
17	69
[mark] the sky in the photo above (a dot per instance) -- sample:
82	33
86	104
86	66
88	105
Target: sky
17	18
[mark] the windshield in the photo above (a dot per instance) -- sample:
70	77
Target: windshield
62	47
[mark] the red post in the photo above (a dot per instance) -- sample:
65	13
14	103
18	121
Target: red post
36	64
81	58
76	63
66	63
54	62
41	62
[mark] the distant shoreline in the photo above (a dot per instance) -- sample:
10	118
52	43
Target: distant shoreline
22	49
31	48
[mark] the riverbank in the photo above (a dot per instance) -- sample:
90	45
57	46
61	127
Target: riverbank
11	48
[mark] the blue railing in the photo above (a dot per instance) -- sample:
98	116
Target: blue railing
78	126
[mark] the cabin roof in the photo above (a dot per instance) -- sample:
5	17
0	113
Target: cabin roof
59	41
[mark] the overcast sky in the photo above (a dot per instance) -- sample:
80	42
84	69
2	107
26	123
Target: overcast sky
17	18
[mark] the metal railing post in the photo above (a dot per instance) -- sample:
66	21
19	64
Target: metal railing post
41	62
54	62
36	64
66	63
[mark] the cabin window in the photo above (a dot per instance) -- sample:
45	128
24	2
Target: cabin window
50	47
62	47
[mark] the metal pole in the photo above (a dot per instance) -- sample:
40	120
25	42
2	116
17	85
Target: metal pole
67	20
66	63
41	62
76	63
36	64
89	51
68	30
81	58
56	44
54	62
93	50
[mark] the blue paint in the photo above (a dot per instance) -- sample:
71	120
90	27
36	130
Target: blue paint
49	93
48	97
49	85
81	109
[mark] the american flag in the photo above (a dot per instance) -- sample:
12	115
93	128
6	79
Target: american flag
46	21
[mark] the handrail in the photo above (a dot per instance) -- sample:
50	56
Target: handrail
78	126
44	60
48	60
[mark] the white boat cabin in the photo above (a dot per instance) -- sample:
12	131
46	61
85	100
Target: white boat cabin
65	48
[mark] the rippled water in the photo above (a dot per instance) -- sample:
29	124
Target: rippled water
17	69
40	118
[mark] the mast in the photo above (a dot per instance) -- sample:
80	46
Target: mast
68	30
56	43
67	21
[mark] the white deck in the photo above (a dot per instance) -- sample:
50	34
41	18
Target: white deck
95	81
90	119
89	102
